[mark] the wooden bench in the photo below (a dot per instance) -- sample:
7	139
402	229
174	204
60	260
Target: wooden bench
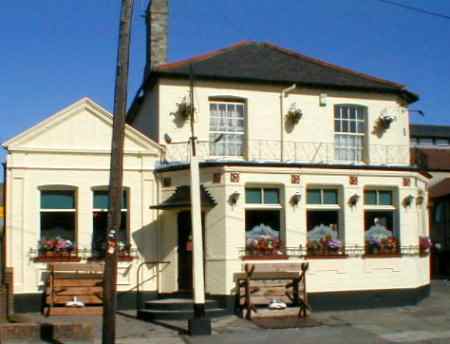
67	281
261	283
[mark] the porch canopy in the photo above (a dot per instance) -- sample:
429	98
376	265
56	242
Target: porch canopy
181	198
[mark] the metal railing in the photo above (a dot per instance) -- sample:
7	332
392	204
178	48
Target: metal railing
291	152
348	250
153	264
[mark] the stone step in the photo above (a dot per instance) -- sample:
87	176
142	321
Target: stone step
148	314
174	304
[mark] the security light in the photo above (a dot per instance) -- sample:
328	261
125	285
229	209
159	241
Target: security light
295	199
234	198
353	200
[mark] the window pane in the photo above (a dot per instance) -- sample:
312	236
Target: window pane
379	222
385	197
58	224
100	222
330	196
321	224
253	196
370	197
313	196
57	200
261	224
101	200
271	196
442	142
337	125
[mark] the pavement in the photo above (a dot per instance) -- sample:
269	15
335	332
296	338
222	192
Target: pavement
428	322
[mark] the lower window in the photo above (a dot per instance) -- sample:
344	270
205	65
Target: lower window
380	236
324	238
99	234
101	205
262	233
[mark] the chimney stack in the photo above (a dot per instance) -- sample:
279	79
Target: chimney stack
157	21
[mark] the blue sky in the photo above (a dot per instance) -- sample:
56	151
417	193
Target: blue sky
55	52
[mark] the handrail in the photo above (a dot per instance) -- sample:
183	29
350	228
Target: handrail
138	283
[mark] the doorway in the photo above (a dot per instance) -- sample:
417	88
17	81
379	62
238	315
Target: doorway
185	249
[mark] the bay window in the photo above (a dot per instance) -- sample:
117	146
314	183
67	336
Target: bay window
381	235
263	222
324	233
226	129
349	129
101	204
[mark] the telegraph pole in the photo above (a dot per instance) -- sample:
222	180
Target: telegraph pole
116	175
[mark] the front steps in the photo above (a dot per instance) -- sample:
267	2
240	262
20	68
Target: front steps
177	309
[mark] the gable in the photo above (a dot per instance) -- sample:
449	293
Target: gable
82	127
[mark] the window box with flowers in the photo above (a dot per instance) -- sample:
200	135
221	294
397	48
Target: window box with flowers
381	239
57	249
262	224
322	219
58	213
425	245
101	204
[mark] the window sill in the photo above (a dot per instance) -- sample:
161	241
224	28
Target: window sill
327	256
49	259
275	257
119	258
382	255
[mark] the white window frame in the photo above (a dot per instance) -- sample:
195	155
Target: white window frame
327	207
103	210
224	132
384	208
356	151
51	210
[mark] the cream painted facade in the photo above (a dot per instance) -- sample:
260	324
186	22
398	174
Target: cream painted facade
70	150
264	123
225	229
265	127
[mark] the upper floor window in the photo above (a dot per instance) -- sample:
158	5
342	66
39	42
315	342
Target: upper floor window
349	129
227	128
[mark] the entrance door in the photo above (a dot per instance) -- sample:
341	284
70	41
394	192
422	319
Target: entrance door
185	249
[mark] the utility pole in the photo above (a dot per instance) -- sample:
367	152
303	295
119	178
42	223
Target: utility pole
116	175
200	324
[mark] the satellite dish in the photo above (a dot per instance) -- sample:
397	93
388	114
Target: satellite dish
167	138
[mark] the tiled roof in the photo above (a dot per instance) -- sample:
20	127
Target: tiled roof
428	130
431	159
255	61
440	189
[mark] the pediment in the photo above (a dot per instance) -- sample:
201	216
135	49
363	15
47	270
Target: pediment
81	127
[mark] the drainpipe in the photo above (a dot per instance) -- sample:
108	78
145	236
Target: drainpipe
284	93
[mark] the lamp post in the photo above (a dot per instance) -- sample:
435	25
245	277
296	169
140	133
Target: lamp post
199	324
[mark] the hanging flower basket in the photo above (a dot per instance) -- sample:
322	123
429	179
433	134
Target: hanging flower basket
425	245
294	116
184	109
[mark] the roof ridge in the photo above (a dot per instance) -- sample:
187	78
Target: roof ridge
322	63
203	57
